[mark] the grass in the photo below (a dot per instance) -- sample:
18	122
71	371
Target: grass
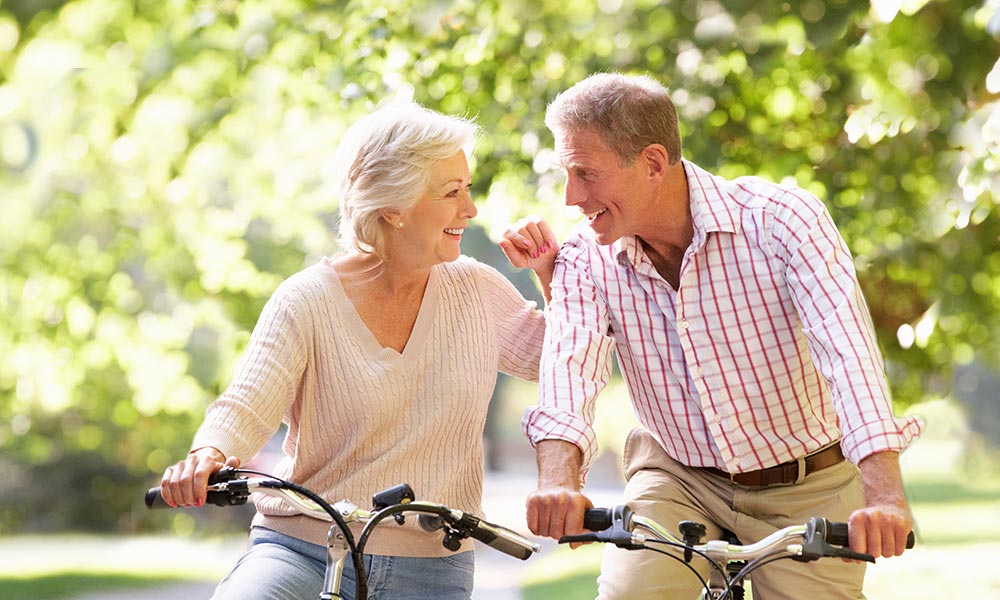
580	585
54	586
565	573
950	490
50	567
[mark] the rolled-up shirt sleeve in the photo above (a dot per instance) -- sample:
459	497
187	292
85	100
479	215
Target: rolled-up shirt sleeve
576	356
842	340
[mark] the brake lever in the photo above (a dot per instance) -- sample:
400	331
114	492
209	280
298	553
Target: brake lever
851	554
227	488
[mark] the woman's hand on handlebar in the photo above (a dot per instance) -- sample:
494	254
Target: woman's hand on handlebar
186	483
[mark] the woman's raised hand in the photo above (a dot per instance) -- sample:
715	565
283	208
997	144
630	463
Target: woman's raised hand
530	243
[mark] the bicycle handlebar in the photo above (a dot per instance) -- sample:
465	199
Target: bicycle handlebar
730	562
818	538
226	489
497	537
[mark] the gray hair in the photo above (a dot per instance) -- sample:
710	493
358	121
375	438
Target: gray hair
385	162
628	112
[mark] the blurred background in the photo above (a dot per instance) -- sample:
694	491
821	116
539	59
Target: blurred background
165	164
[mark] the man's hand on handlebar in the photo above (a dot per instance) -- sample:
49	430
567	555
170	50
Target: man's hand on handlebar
555	512
186	483
880	530
556	508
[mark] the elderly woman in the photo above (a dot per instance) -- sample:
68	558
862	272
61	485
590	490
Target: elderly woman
381	361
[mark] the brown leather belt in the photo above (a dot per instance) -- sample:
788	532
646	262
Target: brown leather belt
784	473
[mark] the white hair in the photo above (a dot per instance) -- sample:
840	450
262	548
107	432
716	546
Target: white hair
385	162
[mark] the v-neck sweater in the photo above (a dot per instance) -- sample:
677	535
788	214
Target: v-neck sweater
362	418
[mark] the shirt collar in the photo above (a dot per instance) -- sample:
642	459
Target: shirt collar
712	210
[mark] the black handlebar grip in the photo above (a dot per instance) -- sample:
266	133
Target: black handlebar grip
597	519
505	540
836	534
154	499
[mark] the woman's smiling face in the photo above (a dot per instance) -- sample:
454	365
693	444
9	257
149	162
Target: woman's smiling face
432	229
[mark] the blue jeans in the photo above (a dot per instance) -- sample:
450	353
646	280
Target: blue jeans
281	567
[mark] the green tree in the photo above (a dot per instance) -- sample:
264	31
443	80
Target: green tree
166	164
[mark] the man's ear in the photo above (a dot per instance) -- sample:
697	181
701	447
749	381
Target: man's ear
657	159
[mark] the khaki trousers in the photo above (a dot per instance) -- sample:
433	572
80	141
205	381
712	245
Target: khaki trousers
668	492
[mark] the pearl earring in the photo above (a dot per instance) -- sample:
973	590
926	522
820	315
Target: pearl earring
399	224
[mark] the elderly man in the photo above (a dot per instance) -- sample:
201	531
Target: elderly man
745	342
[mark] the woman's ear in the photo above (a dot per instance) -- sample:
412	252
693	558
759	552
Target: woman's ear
393	217
657	159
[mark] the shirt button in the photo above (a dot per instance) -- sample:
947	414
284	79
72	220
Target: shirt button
698	371
718	419
684	324
736	462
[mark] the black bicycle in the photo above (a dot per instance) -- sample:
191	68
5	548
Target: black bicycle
231	487
730	561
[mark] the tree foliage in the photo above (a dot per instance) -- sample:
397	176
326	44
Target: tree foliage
165	164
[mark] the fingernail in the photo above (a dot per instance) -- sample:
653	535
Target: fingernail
534	255
527	243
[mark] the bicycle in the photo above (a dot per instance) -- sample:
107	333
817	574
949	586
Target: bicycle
230	487
730	562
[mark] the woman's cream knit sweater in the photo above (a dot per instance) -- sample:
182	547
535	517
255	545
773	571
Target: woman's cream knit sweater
361	417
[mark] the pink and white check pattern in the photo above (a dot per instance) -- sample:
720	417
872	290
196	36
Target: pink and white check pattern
764	354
